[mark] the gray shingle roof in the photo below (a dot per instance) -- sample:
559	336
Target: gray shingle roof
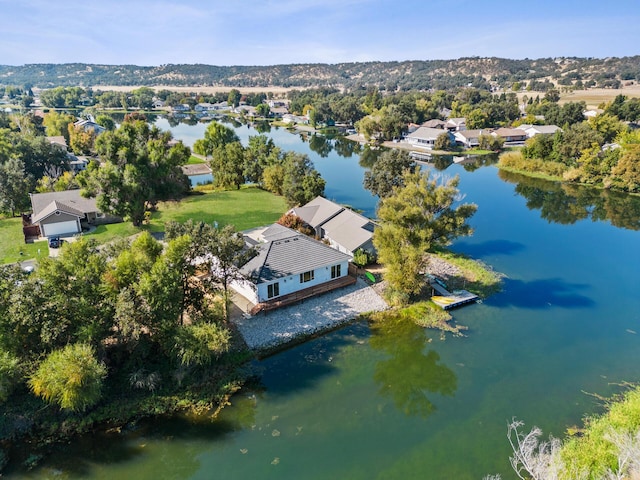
349	229
289	256
196	169
69	198
54	207
317	211
426	133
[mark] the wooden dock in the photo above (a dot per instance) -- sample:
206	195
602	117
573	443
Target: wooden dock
447	300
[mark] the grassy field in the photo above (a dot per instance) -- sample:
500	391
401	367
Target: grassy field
12	246
194	160
245	208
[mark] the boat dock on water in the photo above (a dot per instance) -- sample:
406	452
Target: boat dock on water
447	300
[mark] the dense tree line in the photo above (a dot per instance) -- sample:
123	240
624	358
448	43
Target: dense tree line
25	157
390	76
289	174
140	166
94	325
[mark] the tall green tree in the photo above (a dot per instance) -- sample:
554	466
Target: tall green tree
229	252
387	172
141	166
259	154
234	97
216	135
227	165
57	124
14	187
301	182
417	217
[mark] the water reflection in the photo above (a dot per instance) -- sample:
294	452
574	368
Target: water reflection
566	203
321	145
409	374
369	155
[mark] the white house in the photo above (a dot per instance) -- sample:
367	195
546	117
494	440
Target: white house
425	137
533	130
456	124
90	125
469	138
288	262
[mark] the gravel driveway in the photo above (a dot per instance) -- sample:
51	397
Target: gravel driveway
277	327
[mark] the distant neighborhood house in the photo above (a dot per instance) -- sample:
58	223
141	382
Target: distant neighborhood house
533	130
469	138
512	136
198	173
425	137
88	124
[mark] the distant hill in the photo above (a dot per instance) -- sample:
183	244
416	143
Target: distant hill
421	75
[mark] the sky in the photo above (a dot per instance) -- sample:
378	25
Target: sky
269	32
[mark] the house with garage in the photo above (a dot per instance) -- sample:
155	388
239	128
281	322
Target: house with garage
288	267
66	213
341	227
425	137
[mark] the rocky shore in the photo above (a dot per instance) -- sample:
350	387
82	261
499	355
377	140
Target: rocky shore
270	330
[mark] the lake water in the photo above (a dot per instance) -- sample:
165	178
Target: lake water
402	402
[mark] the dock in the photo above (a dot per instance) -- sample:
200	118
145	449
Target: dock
447	300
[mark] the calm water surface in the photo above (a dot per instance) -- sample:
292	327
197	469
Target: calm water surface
401	402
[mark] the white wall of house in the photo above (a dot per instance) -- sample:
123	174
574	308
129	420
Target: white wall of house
247	289
292	284
427	143
339	247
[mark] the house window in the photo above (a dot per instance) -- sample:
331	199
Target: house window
335	271
306	276
273	290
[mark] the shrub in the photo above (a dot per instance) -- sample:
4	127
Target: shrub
71	377
362	258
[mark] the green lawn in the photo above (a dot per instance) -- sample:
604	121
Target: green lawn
12	246
194	160
245	208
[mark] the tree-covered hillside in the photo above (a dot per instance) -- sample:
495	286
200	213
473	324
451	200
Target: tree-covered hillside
429	74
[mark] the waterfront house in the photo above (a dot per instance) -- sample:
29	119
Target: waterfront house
341	227
425	137
513	137
289	266
198	173
435	123
469	138
87	125
456	124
